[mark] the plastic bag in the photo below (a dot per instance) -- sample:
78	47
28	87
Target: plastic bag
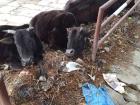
96	96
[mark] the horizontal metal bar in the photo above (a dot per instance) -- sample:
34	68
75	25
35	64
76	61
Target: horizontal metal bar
117	24
115	13
98	26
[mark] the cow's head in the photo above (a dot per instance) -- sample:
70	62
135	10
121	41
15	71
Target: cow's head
77	37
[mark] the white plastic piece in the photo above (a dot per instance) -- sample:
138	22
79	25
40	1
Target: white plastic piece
120	9
72	66
92	77
113	82
42	78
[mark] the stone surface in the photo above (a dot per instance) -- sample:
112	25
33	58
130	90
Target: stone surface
132	103
5	2
128	71
135	58
7	9
18	12
129	74
117	97
25	12
132	95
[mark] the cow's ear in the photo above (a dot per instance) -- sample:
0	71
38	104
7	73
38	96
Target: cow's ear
65	20
69	20
7	40
58	20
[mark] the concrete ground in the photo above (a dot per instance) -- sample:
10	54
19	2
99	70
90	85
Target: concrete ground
21	11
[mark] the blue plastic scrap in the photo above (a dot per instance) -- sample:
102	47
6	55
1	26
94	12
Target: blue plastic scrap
96	96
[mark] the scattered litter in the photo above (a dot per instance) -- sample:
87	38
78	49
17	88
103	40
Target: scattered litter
71	66
107	49
130	18
42	78
80	61
92	77
96	96
112	81
45	86
4	67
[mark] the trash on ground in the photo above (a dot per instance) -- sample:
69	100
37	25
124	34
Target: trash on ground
42	78
107	49
80	61
71	66
92	77
45	86
96	96
4	67
113	82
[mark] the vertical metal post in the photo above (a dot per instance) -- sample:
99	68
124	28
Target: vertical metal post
98	26
117	24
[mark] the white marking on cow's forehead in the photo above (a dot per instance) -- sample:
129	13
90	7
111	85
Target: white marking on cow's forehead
10	31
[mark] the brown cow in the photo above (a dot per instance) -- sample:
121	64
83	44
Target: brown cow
50	27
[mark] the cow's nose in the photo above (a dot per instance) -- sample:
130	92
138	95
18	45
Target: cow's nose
70	52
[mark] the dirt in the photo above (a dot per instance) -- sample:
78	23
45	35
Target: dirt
65	88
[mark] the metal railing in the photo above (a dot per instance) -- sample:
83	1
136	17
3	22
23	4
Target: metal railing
100	25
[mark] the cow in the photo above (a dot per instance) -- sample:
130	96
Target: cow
50	27
20	44
28	46
77	40
87	10
56	29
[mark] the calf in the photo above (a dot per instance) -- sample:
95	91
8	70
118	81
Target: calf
87	10
20	45
77	37
50	27
28	46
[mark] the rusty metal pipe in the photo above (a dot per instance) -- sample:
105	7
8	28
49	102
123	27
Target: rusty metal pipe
98	26
117	24
4	98
107	21
116	13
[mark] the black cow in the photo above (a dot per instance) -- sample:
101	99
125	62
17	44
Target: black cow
77	39
20	45
87	10
50	27
28	46
8	50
